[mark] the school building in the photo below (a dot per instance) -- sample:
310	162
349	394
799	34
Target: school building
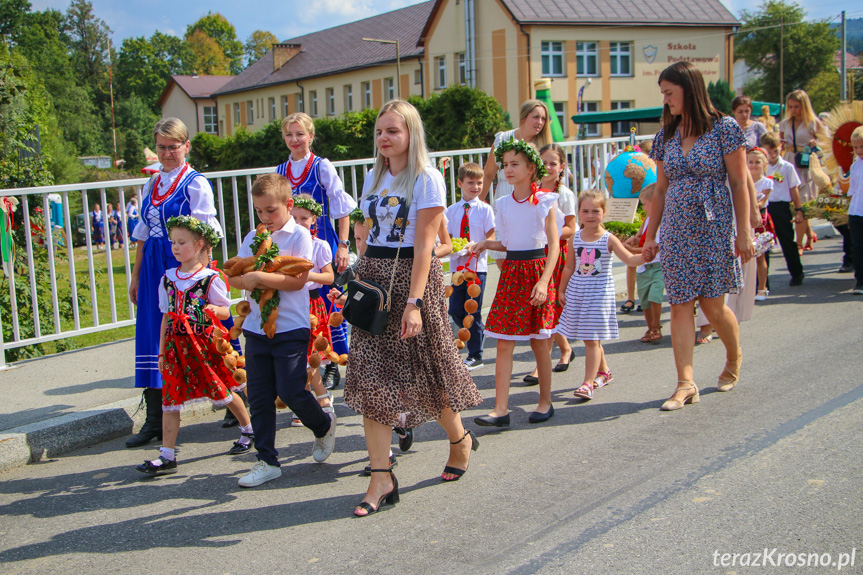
611	51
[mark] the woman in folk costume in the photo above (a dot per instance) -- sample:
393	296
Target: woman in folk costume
177	190
316	176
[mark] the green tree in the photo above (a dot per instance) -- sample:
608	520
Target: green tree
90	40
209	58
823	91
224	34
133	115
13	15
808	47
721	95
460	117
133	150
144	66
259	43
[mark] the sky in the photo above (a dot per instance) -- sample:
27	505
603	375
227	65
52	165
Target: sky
290	18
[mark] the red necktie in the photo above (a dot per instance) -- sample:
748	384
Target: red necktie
465	225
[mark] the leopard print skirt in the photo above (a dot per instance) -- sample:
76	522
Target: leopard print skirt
406	382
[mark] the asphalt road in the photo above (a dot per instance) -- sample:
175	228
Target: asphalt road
606	487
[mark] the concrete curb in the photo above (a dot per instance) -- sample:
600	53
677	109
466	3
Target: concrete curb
53	437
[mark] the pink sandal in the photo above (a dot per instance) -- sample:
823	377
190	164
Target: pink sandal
585	391
602	379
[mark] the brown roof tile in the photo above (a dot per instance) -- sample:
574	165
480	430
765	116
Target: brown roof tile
340	49
620	12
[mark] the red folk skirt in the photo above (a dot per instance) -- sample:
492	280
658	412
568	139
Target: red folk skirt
192	375
511	315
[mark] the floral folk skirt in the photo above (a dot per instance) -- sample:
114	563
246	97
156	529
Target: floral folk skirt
192	375
512	316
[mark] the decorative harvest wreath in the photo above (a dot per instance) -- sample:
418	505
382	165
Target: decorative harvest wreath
309	204
520	146
195	226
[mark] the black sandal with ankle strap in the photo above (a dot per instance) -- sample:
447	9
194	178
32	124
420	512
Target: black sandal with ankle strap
455	470
391	498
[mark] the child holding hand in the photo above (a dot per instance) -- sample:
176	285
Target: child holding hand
756	161
523	307
587	290
191	367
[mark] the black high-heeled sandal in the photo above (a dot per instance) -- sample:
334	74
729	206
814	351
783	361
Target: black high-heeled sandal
455	470
390	498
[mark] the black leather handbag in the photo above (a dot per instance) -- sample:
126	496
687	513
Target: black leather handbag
368	305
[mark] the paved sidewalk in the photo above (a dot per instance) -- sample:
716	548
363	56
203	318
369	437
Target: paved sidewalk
79	398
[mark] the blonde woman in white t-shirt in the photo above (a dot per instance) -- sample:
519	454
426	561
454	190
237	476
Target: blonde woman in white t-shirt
412	372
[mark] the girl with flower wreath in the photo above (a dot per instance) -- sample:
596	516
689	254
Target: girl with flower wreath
316	176
305	212
192	369
523	307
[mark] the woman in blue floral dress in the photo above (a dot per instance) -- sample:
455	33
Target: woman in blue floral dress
698	152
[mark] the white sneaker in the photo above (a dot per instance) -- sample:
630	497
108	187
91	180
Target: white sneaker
260	473
324	445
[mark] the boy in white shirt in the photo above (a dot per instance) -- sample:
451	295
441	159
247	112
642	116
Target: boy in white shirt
277	366
855	208
473	220
785	193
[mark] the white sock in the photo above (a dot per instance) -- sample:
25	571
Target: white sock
167	453
391	452
243	439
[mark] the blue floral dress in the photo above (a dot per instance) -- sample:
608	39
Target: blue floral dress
697	243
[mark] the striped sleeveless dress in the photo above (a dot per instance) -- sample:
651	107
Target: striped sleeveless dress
589	310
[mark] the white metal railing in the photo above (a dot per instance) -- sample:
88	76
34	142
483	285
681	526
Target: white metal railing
70	317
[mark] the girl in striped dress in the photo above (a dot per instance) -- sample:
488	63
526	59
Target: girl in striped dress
587	290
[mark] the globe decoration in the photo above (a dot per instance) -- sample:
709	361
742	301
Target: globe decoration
628	173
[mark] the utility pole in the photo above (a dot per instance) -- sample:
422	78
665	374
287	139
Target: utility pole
842	70
111	90
781	64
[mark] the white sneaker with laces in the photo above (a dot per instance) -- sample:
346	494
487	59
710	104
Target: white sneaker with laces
324	445
260	473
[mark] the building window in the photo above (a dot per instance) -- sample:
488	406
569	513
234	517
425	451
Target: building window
440	66
389	86
349	97
331	102
587	58
621	58
301	103
272	103
560	112
313	96
418	76
237	114
620	128
589	130
250	112
462	68
367	95
284	106
211	121
552	58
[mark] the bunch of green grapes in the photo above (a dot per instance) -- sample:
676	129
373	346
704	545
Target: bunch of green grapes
458	244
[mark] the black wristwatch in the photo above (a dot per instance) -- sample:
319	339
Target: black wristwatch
798	209
416	301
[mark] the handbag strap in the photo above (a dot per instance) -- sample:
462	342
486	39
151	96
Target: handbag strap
396	260
794	135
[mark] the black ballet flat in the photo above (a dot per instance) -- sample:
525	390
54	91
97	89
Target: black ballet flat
406	437
390	498
530	379
489	421
537	417
561	367
474	445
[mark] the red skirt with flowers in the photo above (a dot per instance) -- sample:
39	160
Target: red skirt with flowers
319	310
193	375
511	315
558	271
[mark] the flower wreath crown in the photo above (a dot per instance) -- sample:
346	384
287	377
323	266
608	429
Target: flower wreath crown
520	146
309	204
195	226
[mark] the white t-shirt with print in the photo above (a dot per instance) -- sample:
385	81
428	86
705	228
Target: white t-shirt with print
384	208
